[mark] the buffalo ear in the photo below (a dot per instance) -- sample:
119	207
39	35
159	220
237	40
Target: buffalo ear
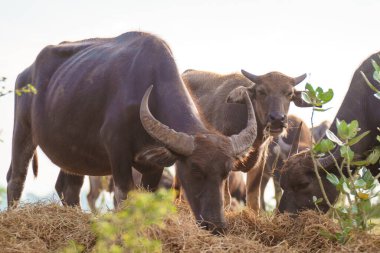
298	101
237	94
159	156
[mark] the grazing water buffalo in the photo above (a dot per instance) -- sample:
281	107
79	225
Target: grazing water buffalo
298	179
219	98
97	185
91	116
279	150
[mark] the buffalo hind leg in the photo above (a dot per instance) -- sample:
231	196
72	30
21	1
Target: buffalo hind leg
22	152
95	188
68	188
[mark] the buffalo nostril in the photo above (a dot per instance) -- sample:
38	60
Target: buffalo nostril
277	117
272	117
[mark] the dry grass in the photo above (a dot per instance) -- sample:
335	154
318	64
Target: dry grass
49	227
43	227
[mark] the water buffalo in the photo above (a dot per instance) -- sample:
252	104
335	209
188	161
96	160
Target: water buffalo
97	185
237	186
91	116
219	99
298	179
279	150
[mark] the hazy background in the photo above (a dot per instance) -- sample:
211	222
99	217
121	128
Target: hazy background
328	39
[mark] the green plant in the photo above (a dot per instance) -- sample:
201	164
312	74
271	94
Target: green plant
2	193
354	181
123	231
376	77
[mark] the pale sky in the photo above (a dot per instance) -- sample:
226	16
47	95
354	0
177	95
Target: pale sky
328	39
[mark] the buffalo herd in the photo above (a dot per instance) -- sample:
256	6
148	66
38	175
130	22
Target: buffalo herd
118	107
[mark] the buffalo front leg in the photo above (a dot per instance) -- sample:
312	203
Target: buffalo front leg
264	182
254	177
151	177
68	188
22	151
121	166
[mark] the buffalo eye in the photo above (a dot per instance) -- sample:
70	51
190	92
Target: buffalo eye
262	93
289	94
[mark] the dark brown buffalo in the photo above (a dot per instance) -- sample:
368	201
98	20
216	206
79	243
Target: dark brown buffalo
97	185
298	179
219	98
279	150
91	116
237	186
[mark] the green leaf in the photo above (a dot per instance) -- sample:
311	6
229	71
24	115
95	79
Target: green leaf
342	130
345	187
374	156
325	146
356	139
369	83
333	179
353	128
306	98
375	65
376	76
326	96
346	152
321	110
310	90
360	183
333	137
378	138
317	200
360	163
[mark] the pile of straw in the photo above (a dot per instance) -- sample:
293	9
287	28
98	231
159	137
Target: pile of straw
50	227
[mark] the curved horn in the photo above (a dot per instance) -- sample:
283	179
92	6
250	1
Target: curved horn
327	161
252	77
299	79
296	141
180	143
244	140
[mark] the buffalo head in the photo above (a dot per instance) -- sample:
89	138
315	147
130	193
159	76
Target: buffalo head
299	183
271	95
203	161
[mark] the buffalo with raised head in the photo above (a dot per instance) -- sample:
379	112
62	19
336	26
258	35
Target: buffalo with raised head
298	179
219	99
279	150
92	116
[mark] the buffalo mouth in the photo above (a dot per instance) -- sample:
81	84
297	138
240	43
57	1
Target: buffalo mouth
276	131
218	228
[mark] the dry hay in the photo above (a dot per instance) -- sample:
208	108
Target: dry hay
43	227
48	227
